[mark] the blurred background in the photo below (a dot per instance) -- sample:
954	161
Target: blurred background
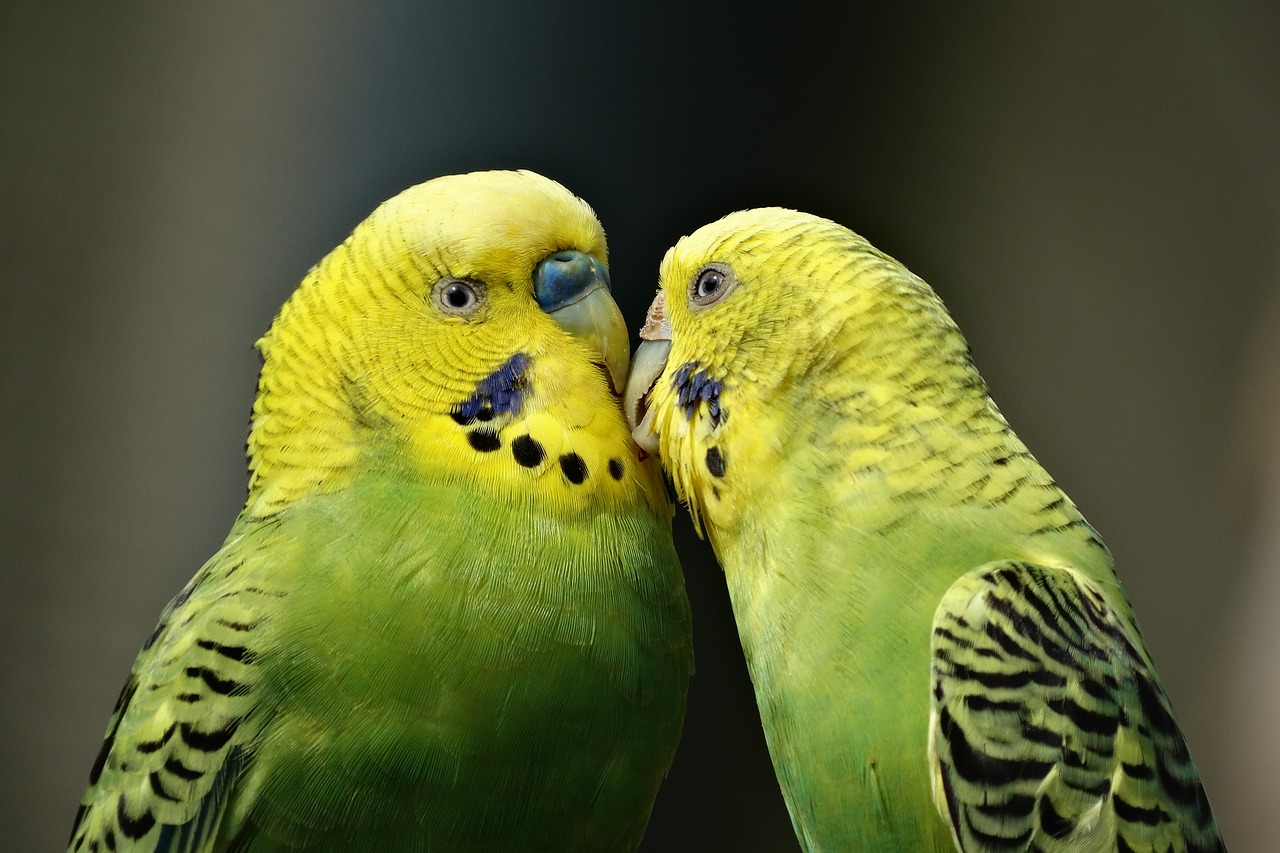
1093	189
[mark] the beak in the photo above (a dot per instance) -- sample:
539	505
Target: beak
573	288
650	361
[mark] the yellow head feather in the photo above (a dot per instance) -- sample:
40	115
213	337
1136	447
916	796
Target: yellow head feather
806	316
368	365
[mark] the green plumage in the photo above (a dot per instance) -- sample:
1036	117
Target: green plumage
927	618
420	634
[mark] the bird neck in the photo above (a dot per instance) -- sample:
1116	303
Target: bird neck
540	427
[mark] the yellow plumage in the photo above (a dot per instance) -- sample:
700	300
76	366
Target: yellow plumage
450	615
927	618
362	336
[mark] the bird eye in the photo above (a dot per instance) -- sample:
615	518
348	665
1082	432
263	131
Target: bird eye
710	285
458	297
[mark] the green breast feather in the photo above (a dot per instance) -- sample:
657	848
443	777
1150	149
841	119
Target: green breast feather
941	652
450	615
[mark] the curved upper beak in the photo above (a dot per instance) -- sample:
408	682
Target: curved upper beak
650	361
573	288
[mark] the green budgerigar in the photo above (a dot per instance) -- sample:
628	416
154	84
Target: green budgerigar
450	615
927	619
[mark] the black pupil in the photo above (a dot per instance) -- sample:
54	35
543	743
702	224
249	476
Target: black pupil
710	283
457	296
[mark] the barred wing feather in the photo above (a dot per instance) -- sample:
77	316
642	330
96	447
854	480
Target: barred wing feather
1049	727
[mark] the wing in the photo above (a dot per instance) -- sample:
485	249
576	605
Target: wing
175	742
1049	728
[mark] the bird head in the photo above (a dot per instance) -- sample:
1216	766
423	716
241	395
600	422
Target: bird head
460	308
766	325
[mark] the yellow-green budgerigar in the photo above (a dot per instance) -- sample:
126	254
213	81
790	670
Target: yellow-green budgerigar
940	649
450	615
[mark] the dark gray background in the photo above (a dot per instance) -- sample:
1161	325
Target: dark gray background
1093	192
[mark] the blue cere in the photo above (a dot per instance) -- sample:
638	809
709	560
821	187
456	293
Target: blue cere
565	277
692	387
499	393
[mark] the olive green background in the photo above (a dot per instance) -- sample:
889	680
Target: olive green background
1094	192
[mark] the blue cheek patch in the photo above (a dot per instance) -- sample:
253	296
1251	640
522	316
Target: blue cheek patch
499	393
692	387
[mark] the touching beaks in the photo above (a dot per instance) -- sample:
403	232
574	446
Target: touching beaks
647	366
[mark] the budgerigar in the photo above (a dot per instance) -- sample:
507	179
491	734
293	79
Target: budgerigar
450	616
927	619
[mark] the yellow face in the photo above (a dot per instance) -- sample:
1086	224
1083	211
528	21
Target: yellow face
718	336
465	329
768	322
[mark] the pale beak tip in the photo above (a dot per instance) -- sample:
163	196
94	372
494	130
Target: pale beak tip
647	366
644	437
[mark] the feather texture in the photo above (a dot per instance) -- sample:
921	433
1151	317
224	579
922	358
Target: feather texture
450	615
1050	729
925	615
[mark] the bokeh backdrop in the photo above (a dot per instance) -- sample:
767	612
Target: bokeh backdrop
1094	188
